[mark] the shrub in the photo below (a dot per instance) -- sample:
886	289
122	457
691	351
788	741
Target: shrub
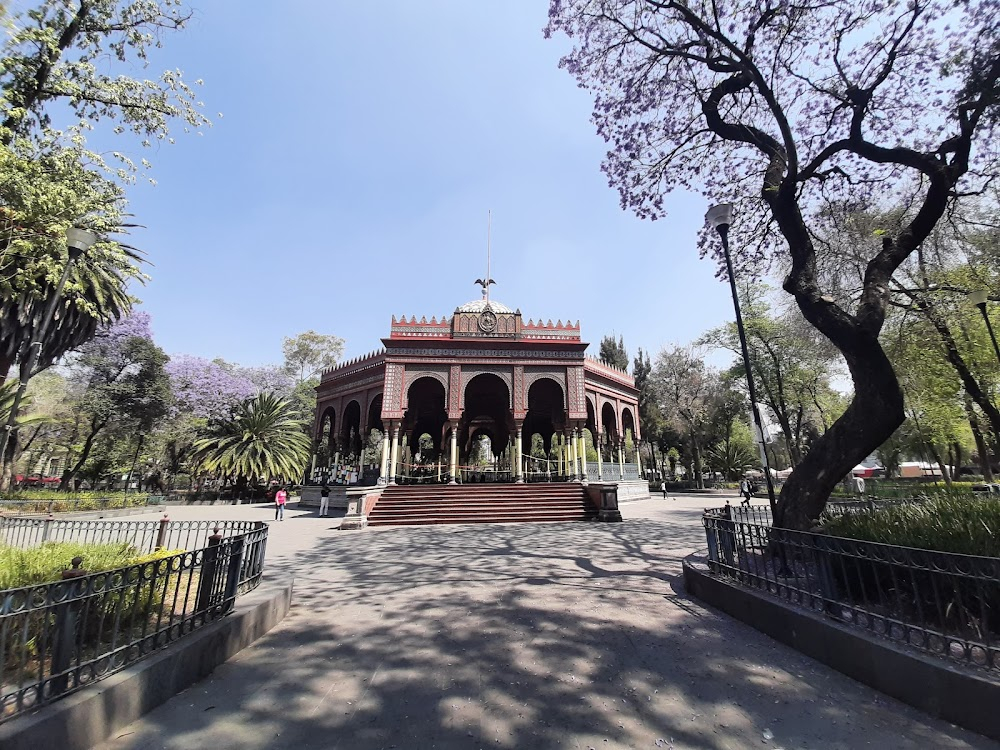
41	499
45	564
965	525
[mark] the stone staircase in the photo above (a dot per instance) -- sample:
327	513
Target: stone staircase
418	505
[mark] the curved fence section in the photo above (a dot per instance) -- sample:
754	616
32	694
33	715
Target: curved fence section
59	637
940	603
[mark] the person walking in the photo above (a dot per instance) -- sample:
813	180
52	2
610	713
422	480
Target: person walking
324	499
280	498
663	486
746	491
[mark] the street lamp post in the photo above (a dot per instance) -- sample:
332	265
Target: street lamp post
720	217
78	241
979	298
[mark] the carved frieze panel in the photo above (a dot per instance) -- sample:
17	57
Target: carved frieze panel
392	402
486	324
577	400
455	392
506	354
520	395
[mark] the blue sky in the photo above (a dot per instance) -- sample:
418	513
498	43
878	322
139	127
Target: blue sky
349	179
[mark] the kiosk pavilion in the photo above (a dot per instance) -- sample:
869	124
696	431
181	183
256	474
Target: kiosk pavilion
463	400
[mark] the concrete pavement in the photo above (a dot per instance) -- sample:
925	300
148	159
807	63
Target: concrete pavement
565	635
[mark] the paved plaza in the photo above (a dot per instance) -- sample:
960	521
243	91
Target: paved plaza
563	635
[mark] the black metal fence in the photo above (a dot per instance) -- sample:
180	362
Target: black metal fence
143	535
940	603
58	637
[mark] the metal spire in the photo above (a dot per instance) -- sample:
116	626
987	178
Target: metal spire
485	283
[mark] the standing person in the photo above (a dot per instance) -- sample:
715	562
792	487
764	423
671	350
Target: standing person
324	499
663	486
280	498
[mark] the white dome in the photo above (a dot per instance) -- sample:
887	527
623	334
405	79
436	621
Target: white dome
480	305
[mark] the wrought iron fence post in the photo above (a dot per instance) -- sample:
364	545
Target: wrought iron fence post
64	647
209	564
161	533
728	534
233	574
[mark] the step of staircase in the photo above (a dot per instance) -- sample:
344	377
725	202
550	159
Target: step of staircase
412	505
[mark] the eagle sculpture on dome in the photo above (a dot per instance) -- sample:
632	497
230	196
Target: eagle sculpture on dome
485	284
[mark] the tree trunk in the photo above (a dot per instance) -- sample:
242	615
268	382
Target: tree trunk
696	461
873	415
981	448
69	476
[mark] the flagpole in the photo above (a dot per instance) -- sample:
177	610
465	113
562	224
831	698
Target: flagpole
489	229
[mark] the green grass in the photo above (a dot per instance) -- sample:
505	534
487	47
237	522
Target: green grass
45	564
960	524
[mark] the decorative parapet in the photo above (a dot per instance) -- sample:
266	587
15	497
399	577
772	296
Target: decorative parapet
422	328
484	324
596	366
559	331
353	366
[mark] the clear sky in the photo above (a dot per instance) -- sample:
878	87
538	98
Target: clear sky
349	179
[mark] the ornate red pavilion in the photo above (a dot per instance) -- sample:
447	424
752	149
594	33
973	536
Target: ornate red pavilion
440	386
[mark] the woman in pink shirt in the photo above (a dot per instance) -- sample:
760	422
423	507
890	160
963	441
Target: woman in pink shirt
280	498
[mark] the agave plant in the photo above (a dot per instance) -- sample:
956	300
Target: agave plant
264	438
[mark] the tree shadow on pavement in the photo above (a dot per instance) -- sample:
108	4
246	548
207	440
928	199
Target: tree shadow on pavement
520	636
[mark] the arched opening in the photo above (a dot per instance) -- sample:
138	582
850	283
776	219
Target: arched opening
546	412
350	432
426	415
373	448
487	412
609	421
628	428
326	440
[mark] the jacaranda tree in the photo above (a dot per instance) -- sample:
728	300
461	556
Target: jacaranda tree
781	107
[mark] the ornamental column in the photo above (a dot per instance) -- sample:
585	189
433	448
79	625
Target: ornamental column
403	457
621	459
600	460
453	463
571	447
583	457
395	453
518	453
559	456
383	466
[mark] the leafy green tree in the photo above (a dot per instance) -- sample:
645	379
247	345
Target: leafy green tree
791	366
309	353
614	353
124	384
686	391
75	62
263	439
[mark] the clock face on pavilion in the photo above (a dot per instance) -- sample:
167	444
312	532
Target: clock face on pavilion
487	322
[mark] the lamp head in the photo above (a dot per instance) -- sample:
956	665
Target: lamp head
79	241
979	297
720	215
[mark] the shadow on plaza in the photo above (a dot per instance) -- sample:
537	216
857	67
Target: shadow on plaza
526	636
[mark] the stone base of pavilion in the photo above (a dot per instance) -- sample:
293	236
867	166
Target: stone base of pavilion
633	490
